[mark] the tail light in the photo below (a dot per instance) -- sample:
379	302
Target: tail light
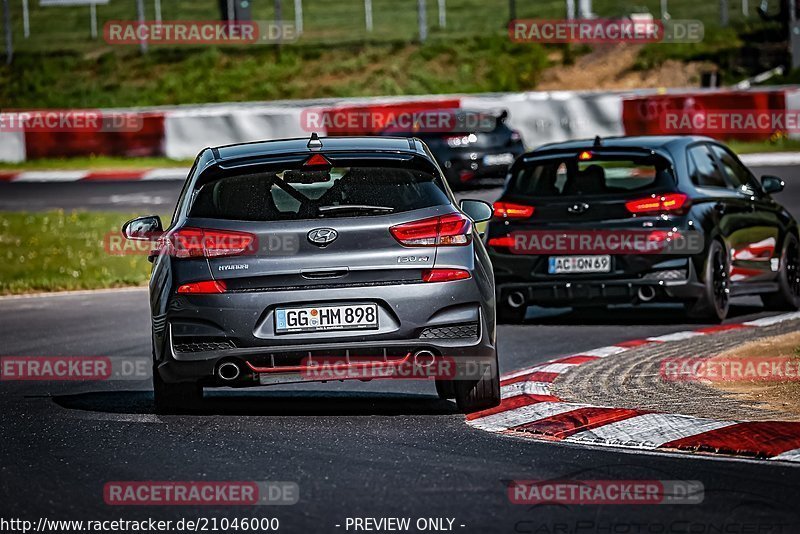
505	241
657	203
444	275
209	287
204	243
454	229
508	210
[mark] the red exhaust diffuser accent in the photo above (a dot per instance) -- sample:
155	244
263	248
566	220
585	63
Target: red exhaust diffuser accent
317	160
453	229
444	275
657	203
209	287
508	210
204	243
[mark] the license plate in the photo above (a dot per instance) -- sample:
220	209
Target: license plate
498	159
579	264
322	318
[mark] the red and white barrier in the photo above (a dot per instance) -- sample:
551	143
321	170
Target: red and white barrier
541	117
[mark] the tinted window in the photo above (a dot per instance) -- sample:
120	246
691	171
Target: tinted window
737	174
570	177
703	168
302	194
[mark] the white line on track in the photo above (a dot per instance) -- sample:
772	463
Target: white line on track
525	414
649	431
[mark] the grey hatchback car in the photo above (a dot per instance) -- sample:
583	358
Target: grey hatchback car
320	259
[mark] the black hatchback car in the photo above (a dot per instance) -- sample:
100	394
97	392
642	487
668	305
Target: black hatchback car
473	146
320	259
640	219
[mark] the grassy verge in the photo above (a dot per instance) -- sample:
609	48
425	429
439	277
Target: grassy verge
56	251
94	163
753	147
773	395
112	78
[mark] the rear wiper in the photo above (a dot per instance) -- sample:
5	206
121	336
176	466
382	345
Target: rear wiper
355	208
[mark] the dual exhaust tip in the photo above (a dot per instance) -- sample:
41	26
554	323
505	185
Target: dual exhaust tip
230	371
517	299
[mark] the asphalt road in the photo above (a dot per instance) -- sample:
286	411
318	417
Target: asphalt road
148	197
378	449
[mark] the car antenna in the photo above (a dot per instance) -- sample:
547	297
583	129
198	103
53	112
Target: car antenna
598	141
314	143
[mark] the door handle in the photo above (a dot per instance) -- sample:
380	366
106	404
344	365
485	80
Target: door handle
324	273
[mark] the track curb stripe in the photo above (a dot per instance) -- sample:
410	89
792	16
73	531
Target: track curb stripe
113	175
530	409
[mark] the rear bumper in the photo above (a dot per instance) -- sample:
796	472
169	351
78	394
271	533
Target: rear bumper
449	319
585	290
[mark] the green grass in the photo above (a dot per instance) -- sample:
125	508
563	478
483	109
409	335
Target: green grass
754	147
56	251
94	163
334	21
118	78
60	66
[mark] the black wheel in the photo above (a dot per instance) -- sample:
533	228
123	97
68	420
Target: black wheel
445	389
787	298
713	304
508	315
475	395
181	397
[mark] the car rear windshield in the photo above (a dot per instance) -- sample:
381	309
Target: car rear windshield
312	194
596	176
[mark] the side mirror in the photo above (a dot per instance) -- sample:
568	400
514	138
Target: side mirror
477	210
772	184
503	116
147	228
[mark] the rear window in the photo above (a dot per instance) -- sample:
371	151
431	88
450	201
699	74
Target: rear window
312	194
598	176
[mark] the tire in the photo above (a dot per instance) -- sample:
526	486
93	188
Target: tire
508	315
787	298
445	389
475	395
181	397
714	302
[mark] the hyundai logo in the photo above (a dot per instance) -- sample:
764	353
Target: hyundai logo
578	207
322	237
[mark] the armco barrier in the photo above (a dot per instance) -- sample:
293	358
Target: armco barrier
147	140
541	117
647	115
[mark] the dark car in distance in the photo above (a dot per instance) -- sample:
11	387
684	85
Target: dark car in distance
475	146
284	255
715	230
